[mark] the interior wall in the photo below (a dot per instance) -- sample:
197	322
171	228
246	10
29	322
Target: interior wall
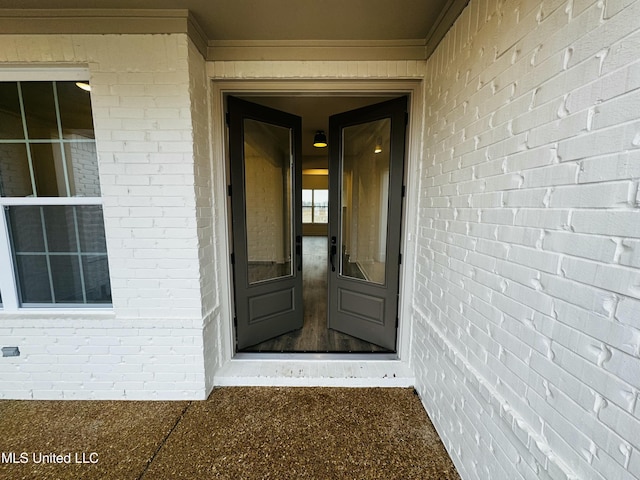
526	343
265	219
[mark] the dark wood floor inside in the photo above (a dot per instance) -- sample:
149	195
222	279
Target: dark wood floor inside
314	336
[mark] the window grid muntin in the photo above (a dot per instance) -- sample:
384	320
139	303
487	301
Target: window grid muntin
25	133
60	140
313	206
9	282
48	254
63	152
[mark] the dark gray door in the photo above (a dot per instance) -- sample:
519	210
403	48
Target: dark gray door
367	148
265	158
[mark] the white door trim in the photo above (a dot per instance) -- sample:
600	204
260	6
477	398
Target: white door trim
283	363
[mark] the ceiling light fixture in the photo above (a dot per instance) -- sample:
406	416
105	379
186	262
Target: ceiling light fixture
320	139
84	86
378	147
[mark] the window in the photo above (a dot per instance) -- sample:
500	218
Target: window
52	229
315	206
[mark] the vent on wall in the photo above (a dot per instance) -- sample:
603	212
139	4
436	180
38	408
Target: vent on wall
10	352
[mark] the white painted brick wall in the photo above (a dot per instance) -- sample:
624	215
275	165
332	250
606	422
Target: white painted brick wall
527	307
210	269
150	104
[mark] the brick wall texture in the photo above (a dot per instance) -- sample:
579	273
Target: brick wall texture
525	250
150	107
526	340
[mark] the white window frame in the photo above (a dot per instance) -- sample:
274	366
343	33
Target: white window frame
313	206
8	278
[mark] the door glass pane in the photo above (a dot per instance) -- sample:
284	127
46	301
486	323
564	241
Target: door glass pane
268	186
365	200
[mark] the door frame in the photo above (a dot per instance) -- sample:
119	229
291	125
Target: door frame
413	162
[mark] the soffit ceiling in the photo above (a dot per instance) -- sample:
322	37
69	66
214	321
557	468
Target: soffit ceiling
423	22
258	29
284	19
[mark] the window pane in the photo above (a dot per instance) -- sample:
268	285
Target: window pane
10	116
15	179
96	278
33	278
82	169
91	229
65	275
307	215
75	111
25	225
60	254
307	206
39	109
307	197
60	226
48	170
320	206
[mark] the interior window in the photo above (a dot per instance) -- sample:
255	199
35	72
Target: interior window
315	206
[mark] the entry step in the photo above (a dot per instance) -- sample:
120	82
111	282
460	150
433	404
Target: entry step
313	370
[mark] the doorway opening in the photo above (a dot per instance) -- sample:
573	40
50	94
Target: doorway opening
315	336
332	215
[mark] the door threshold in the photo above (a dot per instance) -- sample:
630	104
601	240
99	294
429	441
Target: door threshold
318	370
314	356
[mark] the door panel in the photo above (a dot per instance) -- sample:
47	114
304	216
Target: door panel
264	149
367	148
367	307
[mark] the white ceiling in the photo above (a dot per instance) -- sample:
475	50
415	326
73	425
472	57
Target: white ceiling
286	19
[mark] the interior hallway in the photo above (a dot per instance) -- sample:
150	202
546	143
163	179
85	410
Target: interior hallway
314	336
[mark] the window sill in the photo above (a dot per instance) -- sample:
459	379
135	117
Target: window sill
58	314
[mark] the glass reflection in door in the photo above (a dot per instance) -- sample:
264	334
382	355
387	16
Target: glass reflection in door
365	200
268	183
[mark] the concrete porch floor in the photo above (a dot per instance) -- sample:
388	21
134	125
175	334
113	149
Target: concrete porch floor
237	433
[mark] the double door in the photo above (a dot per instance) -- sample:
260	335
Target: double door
366	158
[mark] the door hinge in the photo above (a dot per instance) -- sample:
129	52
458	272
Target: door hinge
227	119
404	191
229	190
400	259
233	259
